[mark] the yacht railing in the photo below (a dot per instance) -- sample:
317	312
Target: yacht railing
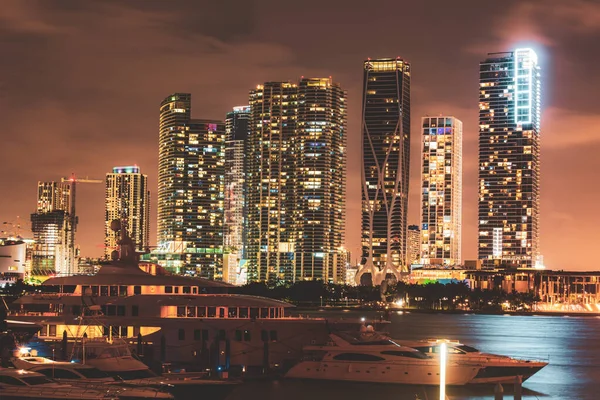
74	392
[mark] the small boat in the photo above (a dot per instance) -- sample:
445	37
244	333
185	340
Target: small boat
115	359
377	361
18	384
87	376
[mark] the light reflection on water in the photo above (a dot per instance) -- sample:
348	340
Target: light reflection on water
572	346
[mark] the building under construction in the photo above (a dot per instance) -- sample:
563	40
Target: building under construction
53	227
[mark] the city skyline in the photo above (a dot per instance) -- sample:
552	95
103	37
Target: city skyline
568	120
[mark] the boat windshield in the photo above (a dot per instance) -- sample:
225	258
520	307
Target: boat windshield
373	343
107	352
467	349
137	374
35	380
92	373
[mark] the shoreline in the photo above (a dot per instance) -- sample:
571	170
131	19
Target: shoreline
422	311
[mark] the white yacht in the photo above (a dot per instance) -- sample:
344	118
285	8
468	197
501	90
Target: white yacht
172	319
18	384
85	375
495	368
377	361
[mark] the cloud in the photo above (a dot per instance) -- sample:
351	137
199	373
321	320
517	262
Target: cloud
535	23
563	128
21	17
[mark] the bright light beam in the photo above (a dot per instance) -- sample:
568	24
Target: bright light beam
443	353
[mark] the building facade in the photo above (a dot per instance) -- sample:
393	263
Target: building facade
296	181
320	177
509	159
127	198
271	182
441	191
13	260
413	246
190	189
385	172
53	227
236	133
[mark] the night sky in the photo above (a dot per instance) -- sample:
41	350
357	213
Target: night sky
81	83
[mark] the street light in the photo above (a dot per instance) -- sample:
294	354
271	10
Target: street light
443	353
321	301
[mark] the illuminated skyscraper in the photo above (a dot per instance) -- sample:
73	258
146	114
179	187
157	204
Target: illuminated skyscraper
413	245
296	181
270	182
320	176
236	132
441	201
53	230
509	153
385	175
127	197
190	188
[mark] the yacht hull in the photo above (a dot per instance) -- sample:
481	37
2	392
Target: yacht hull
492	374
403	374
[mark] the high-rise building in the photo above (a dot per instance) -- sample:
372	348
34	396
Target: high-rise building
53	229
296	168
128	199
270	182
509	153
236	132
385	173
413	245
190	189
320	180
441	201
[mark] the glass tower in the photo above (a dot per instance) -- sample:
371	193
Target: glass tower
509	154
320	195
190	188
441	201
270	182
127	197
236	132
296	167
385	174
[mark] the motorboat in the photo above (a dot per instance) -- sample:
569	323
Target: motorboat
18	384
90	377
115	359
377	361
495	368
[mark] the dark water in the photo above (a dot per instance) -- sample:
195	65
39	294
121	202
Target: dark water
572	345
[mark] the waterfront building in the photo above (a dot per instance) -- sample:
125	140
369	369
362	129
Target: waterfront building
509	159
296	181
320	180
270	182
413	246
13	260
385	173
236	132
441	192
53	227
190	189
127	199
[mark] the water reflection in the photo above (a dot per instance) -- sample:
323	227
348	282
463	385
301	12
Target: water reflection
572	346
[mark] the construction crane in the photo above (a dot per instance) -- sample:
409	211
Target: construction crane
16	228
73	216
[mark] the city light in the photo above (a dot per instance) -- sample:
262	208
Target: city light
443	354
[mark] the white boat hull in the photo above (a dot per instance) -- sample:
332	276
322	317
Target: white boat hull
385	372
